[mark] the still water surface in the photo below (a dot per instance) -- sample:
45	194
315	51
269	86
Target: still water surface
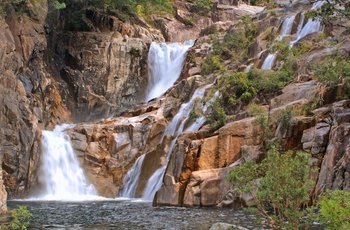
113	214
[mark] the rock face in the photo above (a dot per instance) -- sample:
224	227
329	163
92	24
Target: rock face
29	97
104	71
197	169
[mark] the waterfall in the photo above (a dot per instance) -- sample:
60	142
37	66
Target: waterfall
247	69
175	127
165	63
311	26
286	29
132	178
61	174
268	62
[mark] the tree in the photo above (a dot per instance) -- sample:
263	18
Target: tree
284	185
335	12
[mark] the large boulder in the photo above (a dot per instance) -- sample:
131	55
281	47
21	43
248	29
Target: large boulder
108	149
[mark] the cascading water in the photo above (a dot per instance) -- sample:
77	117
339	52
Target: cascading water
268	62
61	174
286	29
165	63
175	127
131	179
311	26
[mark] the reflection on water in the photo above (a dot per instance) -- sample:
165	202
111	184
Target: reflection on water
114	214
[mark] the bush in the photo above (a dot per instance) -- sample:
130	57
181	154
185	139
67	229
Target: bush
203	6
19	219
332	70
335	209
217	115
284	185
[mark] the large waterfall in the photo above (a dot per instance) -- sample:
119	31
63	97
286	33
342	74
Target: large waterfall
165	63
61	175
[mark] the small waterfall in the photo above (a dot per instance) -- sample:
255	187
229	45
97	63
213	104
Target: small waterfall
175	127
132	178
165	63
301	23
268	62
247	69
311	25
61	173
286	29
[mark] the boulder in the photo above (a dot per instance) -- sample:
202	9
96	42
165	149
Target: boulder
108	149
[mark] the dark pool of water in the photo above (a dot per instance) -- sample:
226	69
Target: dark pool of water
128	215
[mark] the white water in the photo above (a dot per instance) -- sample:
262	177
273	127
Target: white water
61	174
268	62
165	63
175	127
132	178
286	29
247	69
311	26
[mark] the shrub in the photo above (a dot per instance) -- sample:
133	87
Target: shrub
284	185
203	6
335	209
332	70
19	219
211	64
217	115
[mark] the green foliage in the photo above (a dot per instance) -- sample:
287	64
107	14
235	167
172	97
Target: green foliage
135	52
124	9
217	115
211	64
263	121
335	12
301	49
332	70
19	219
203	6
58	5
197	109
335	209
284	185
285	117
